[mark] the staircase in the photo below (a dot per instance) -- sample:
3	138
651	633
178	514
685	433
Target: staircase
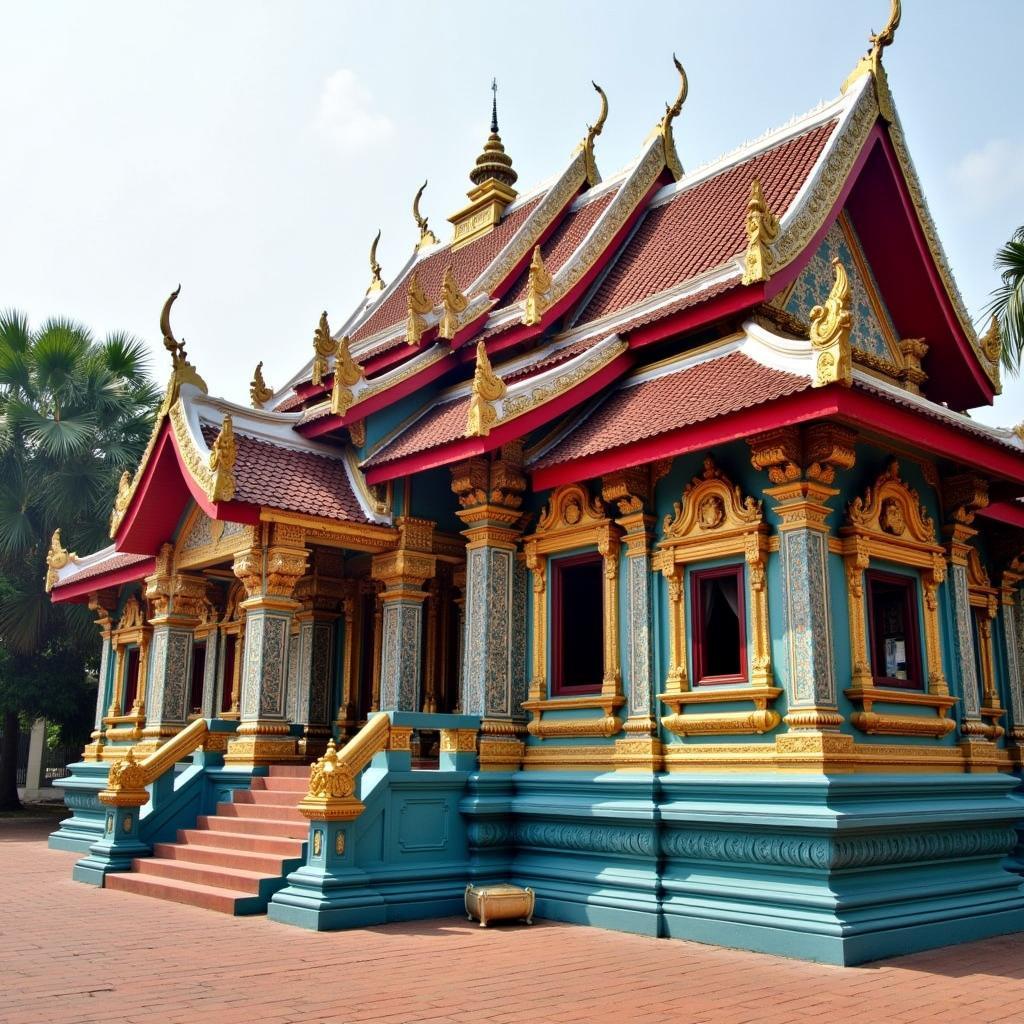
232	861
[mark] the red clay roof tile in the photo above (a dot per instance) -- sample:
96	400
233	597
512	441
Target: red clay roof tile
118	560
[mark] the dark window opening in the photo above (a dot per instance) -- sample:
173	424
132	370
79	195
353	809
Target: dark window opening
892	616
719	625
577	605
195	688
230	645
131	680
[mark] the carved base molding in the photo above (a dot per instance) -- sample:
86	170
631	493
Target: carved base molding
761	720
639	754
565	728
500	754
814	718
883	723
261	750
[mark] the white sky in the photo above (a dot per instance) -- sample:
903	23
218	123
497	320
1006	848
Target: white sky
250	150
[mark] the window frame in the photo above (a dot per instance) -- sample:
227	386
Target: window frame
915	669
558	567
697	576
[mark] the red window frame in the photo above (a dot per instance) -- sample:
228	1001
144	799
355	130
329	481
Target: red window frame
558	567
915	677
697	576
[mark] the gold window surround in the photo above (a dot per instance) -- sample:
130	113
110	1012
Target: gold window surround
233	625
714	520
983	599
132	630
889	523
573	520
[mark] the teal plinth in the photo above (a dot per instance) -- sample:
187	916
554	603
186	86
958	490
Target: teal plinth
116	850
81	796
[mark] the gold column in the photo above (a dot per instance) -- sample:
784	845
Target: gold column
101	604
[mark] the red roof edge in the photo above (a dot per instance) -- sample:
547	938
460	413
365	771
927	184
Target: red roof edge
79	592
1009	512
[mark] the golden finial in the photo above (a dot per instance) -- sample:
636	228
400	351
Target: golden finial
121	502
323	346
593	130
538	289
222	463
347	373
664	127
991	341
762	229
830	332
418	304
376	281
488	387
182	371
453	303
56	559
871	62
259	393
427	237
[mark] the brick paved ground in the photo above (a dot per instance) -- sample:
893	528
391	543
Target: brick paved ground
69	952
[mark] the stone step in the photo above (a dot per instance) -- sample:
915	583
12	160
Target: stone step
236	879
283	785
271	812
225	901
288	771
229	857
267	798
274	846
254	826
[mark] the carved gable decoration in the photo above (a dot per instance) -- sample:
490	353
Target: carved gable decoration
131	616
712	506
892	509
570	507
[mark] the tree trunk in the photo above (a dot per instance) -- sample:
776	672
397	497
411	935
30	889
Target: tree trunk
9	764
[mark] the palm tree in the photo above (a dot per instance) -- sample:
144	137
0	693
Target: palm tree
1007	304
74	414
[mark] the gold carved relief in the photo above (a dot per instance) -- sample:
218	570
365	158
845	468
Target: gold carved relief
762	229
323	346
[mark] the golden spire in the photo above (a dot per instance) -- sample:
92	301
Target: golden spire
182	371
830	333
762	229
259	393
427	237
347	373
871	62
488	387
418	305
493	177
538	289
664	126
453	303
323	346
586	147
222	462
56	559
376	281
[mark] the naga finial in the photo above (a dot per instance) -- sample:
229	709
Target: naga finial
884	38
259	393
417	305
831	325
222	462
488	387
453	303
593	130
182	371
427	237
538	289
762	229
171	343
323	346
347	373
871	62
56	558
664	128
376	282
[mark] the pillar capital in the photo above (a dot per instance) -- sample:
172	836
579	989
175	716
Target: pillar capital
815	453
403	573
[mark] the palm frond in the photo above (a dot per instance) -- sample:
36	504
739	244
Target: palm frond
1007	303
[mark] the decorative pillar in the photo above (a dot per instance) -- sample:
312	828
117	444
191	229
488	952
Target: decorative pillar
631	491
350	658
125	723
459	582
101	605
209	632
269	573
802	470
490	493
176	601
378	643
403	573
1012	616
310	665
430	656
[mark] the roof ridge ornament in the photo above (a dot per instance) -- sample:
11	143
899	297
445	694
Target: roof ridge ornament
453	302
871	63
538	290
222	462
259	393
427	237
831	325
56	559
182	371
762	229
664	126
376	281
418	305
323	346
488	388
586	147
347	373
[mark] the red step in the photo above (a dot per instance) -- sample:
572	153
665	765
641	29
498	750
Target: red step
265	812
225	901
297	787
272	845
268	798
221	857
254	826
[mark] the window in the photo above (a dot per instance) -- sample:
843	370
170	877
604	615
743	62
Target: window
892	620
577	651
228	681
196	682
131	680
719	626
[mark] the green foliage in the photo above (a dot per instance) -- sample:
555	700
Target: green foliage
1008	300
74	414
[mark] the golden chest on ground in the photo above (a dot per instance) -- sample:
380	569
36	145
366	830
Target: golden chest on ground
488	903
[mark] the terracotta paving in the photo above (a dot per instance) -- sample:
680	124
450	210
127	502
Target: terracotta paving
69	952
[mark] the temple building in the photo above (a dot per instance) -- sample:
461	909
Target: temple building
631	544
